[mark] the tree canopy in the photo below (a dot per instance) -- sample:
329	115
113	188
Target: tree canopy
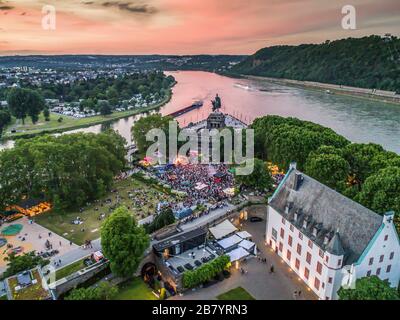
26	261
369	288
123	242
104	291
259	179
368	62
144	125
25	102
67	170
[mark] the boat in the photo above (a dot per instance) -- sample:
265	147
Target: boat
195	105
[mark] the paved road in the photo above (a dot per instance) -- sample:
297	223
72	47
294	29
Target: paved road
76	254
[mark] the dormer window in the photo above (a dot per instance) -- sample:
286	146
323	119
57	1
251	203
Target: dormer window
326	240
315	231
305	224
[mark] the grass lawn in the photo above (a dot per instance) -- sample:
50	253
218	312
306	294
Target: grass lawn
135	289
146	197
69	123
70	269
236	294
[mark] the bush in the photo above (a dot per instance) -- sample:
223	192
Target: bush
206	272
165	218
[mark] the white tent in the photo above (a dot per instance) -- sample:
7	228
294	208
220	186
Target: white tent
200	186
230	241
237	254
248	245
244	234
223	229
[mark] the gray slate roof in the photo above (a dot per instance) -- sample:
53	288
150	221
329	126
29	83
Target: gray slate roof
329	212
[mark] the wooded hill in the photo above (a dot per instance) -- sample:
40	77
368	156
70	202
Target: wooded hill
368	62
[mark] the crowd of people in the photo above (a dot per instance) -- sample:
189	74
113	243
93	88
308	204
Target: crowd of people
202	183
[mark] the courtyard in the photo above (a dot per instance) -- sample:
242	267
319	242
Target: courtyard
78	226
257	279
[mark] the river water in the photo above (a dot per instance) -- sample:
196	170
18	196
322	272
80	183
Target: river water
358	120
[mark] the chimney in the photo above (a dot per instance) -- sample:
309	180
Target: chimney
298	179
326	239
287	209
305	223
315	231
297	214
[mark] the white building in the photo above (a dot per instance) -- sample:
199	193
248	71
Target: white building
327	239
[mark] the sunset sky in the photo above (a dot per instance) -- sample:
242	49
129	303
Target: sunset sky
184	26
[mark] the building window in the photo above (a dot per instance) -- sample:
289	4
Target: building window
316	283
327	259
282	233
339	263
321	253
299	249
288	255
274	234
297	264
280	246
381	258
388	268
306	273
386	237
371	261
310	244
391	256
283	220
300	236
323	285
378	271
330	280
308	258
319	268
368	273
290	240
291	228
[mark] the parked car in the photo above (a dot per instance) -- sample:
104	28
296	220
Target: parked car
255	219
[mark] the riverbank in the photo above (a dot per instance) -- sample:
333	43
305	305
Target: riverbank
69	123
369	94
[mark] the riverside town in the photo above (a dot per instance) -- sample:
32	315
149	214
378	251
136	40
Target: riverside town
187	150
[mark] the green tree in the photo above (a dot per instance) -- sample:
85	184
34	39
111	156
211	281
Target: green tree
381	191
328	168
165	218
105	108
259	179
123	242
5	119
144	125
25	102
46	114
104	291
369	288
26	261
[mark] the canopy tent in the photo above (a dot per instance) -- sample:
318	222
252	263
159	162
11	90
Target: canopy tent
219	175
229	191
248	245
244	234
223	229
237	254
183	213
200	186
229	242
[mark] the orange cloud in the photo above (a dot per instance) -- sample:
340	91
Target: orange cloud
184	26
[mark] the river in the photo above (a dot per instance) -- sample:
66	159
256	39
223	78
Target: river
359	120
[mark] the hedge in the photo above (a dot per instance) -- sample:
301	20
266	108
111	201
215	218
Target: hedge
206	272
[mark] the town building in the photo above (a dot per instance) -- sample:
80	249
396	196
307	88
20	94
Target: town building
328	240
